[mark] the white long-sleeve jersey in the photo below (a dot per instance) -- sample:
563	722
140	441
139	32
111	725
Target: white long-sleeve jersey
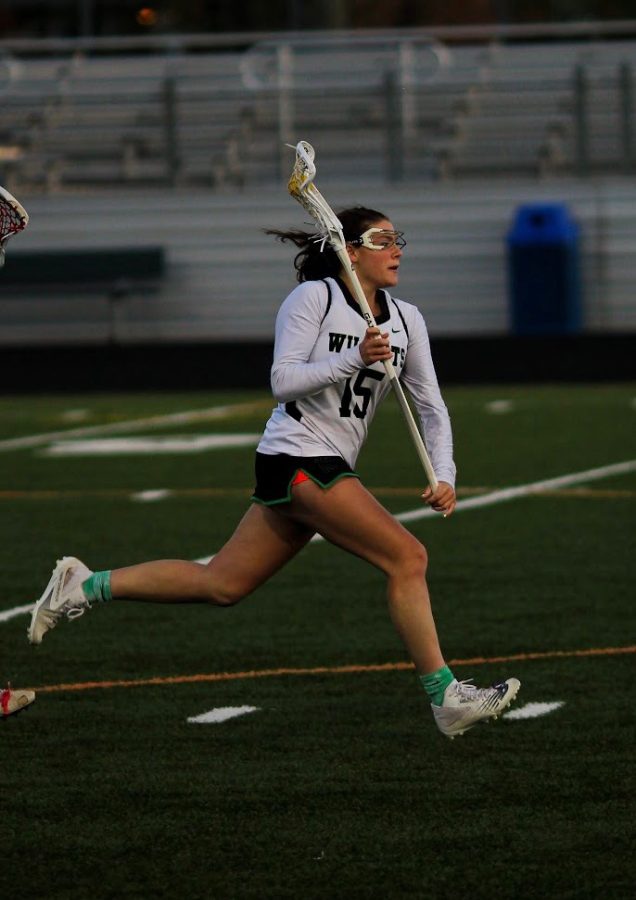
327	397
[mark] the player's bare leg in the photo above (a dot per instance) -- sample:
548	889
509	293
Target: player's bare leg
348	516
261	544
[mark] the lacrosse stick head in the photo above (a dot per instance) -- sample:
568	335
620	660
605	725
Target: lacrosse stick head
304	170
13	218
302	188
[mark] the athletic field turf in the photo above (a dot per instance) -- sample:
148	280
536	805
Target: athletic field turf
336	784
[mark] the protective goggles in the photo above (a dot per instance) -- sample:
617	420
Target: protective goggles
379	239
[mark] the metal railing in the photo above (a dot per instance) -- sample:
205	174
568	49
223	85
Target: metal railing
386	107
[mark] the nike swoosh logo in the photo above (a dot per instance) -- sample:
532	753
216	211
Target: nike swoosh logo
395	330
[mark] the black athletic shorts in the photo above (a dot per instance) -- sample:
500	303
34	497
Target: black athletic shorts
275	474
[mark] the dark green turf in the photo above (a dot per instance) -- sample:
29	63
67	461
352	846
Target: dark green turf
339	786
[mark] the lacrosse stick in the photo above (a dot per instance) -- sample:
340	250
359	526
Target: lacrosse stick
13	218
302	189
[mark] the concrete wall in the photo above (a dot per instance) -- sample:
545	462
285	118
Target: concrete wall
225	278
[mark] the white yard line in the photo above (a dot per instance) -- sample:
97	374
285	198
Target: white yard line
181	418
533	710
490	499
178	444
513	493
221	714
151	496
7	614
524	490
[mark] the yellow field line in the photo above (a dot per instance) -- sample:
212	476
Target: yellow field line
105	493
326	670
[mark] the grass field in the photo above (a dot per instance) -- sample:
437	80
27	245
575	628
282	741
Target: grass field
338	785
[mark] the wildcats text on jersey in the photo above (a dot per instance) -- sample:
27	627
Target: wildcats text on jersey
339	342
336	341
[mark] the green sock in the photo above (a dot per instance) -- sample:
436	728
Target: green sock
97	587
435	683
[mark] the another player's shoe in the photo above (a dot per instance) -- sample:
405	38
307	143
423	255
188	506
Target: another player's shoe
63	596
14	701
464	705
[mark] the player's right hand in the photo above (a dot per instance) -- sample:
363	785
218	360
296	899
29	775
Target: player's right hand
375	346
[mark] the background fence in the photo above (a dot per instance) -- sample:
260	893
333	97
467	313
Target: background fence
426	110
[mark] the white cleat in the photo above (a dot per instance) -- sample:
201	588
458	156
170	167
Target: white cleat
63	595
464	705
14	701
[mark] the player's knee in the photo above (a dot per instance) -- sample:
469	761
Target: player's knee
413	561
220	588
225	597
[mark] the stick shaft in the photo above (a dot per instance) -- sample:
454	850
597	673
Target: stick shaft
302	188
389	368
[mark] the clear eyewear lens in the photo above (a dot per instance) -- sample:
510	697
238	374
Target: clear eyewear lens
381	239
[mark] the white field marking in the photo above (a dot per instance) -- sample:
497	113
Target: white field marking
8	614
151	496
533	710
524	490
130	446
182	418
499	407
490	499
221	714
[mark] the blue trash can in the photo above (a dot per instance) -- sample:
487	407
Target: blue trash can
543	271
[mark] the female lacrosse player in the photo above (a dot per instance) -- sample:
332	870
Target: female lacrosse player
328	379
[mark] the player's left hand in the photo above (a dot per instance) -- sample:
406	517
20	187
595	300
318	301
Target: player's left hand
442	500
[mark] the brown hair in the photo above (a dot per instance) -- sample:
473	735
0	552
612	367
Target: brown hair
315	262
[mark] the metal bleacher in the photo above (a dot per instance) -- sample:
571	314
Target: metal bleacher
384	108
542	108
139	120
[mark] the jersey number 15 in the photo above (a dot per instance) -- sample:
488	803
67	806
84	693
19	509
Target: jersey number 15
358	389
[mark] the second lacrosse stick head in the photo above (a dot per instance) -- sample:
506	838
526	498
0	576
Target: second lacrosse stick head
13	218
